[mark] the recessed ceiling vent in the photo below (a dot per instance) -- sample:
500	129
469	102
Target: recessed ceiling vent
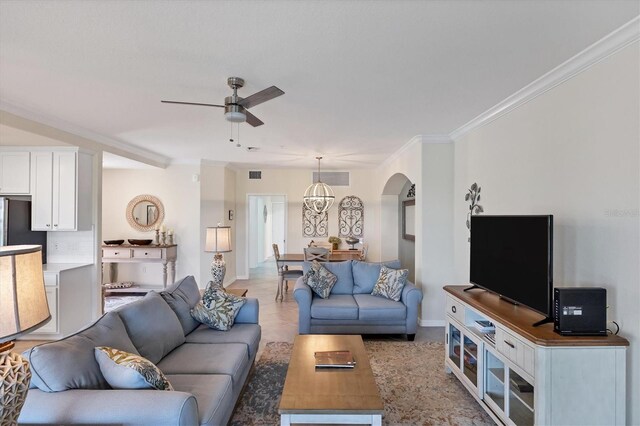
255	174
333	178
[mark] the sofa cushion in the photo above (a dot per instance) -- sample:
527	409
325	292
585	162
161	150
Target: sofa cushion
202	358
70	363
124	370
342	270
374	308
152	325
247	334
320	279
182	296
338	306
218	309
214	393
365	274
390	283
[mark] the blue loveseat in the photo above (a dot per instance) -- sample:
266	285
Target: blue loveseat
207	368
351	309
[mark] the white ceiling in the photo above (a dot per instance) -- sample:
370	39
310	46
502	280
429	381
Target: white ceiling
361	77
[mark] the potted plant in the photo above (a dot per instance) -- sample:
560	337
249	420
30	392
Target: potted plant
335	241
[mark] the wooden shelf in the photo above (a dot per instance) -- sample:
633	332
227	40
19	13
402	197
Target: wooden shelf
521	319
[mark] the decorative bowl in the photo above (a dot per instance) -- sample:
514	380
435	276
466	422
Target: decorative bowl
113	242
140	242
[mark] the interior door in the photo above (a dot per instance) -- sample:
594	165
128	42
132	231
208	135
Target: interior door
278	225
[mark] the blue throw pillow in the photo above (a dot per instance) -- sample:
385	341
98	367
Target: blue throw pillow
365	274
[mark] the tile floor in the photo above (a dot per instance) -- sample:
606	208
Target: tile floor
279	320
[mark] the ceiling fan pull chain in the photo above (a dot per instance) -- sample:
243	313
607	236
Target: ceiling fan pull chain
231	136
238	144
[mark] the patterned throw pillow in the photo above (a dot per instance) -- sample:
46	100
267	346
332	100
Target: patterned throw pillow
320	279
124	370
217	309
390	283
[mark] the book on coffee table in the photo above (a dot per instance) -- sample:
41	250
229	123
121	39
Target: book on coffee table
334	359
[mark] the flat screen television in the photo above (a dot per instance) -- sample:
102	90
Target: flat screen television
512	256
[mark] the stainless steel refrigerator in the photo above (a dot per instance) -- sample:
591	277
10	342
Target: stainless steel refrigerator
15	225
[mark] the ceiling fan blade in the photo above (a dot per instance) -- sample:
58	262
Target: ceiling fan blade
260	97
253	120
191	103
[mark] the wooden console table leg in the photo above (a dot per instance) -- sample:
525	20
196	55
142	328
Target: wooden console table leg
164	274
173	272
113	272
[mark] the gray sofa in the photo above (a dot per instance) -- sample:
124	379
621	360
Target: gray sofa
207	368
351	309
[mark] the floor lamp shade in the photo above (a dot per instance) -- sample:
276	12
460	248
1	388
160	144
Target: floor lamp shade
218	241
23	301
23	308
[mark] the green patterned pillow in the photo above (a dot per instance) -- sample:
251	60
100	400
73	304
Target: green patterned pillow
217	309
390	283
320	279
124	370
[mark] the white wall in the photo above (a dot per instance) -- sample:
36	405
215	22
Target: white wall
175	187
292	183
430	166
572	152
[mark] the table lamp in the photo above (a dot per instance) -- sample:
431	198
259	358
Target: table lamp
218	241
23	308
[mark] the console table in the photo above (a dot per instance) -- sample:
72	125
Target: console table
126	253
522	374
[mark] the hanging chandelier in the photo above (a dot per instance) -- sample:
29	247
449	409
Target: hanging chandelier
319	196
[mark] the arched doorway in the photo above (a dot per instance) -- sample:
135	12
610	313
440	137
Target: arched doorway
396	246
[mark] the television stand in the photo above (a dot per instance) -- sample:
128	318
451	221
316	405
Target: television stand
525	375
472	287
547	320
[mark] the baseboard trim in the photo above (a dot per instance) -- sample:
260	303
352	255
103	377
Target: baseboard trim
431	323
242	277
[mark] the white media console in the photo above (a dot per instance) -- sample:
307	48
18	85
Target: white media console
525	375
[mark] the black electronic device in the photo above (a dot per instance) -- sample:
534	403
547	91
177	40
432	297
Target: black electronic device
580	311
512	256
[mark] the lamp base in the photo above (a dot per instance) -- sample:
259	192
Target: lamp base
16	376
218	269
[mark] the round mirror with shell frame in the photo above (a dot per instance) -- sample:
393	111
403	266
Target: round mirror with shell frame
145	212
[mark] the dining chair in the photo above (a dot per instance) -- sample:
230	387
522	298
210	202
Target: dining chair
284	273
320	254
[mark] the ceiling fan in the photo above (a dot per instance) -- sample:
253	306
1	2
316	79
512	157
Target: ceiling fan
235	107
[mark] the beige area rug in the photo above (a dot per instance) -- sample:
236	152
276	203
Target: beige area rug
410	376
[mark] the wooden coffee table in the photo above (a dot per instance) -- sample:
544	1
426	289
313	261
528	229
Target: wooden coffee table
329	395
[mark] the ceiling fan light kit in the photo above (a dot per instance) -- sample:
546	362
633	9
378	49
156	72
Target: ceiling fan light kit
319	196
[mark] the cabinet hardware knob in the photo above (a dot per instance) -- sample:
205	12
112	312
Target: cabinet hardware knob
510	344
47	225
55	225
453	309
145	253
116	253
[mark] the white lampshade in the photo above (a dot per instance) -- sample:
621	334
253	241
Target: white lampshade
218	239
23	301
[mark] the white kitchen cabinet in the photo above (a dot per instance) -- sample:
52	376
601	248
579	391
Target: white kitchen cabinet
58	180
14	172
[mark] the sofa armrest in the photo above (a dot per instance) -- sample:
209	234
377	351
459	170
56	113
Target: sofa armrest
411	297
122	407
249	312
304	296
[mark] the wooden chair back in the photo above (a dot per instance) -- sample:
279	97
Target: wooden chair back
276	251
320	254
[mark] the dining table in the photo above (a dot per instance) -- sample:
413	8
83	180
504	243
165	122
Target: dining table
292	259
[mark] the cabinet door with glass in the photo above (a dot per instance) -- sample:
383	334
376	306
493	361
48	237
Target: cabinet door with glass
507	392
464	356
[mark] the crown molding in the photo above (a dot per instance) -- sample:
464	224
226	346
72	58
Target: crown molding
18	117
436	139
601	49
410	143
